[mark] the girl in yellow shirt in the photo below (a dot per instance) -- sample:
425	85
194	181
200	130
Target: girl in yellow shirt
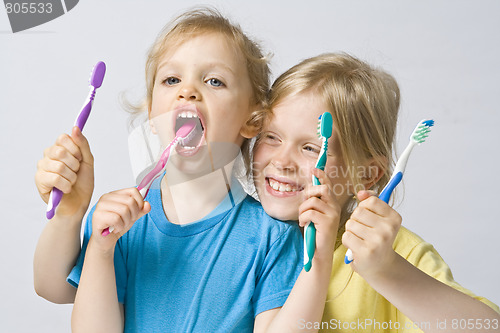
397	282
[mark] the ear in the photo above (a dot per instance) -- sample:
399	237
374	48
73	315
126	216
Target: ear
249	130
253	124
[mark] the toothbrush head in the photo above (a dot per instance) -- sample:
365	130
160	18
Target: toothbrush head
325	125
186	131
421	132
98	74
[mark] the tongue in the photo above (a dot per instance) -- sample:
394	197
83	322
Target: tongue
191	130
186	128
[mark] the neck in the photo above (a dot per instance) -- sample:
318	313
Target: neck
189	199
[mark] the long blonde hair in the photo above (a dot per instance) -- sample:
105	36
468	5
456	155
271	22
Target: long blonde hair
363	100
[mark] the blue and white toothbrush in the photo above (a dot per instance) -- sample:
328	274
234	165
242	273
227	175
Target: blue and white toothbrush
325	128
418	136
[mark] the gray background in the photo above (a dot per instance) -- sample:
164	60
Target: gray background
443	53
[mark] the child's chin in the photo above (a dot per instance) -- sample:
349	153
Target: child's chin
281	212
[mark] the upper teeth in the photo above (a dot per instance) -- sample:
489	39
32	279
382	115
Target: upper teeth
187	114
282	187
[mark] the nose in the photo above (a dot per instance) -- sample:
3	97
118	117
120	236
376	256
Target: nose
284	159
188	91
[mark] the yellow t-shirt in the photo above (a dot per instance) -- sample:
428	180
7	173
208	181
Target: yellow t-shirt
353	306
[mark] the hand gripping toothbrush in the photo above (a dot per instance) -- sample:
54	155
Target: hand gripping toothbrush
183	134
418	136
95	82
325	128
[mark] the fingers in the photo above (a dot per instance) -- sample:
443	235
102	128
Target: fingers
373	213
352	241
365	194
370	233
66	151
359	229
322	177
59	166
369	201
320	205
322	191
62	162
119	210
310	216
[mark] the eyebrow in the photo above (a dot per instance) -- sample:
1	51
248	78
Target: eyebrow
278	129
209	65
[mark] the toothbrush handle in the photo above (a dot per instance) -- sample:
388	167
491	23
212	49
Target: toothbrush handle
387	191
309	245
144	192
384	196
85	112
54	200
146	182
310	239
56	194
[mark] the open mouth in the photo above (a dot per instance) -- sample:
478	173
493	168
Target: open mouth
193	141
285	188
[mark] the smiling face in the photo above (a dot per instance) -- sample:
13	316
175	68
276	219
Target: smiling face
205	80
286	153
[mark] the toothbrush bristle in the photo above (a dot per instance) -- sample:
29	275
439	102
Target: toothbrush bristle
318	128
422	131
325	125
98	74
429	122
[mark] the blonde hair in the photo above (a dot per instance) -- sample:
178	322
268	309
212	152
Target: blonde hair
205	20
363	101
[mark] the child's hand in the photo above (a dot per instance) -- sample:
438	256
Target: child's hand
119	209
370	234
69	166
321	207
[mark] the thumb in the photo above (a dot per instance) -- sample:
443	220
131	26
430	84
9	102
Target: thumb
146	208
365	194
83	144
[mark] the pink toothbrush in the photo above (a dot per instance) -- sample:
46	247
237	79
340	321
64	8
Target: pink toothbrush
95	82
183	134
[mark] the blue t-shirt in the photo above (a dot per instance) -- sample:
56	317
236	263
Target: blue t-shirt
213	275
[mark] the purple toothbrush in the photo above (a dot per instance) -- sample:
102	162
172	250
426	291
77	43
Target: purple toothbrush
95	82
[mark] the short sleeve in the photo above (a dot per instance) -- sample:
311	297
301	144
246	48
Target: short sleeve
280	270
119	261
427	259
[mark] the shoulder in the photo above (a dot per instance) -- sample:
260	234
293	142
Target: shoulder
407	241
421	254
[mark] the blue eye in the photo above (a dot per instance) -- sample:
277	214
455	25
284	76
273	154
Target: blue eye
215	82
171	80
312	149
